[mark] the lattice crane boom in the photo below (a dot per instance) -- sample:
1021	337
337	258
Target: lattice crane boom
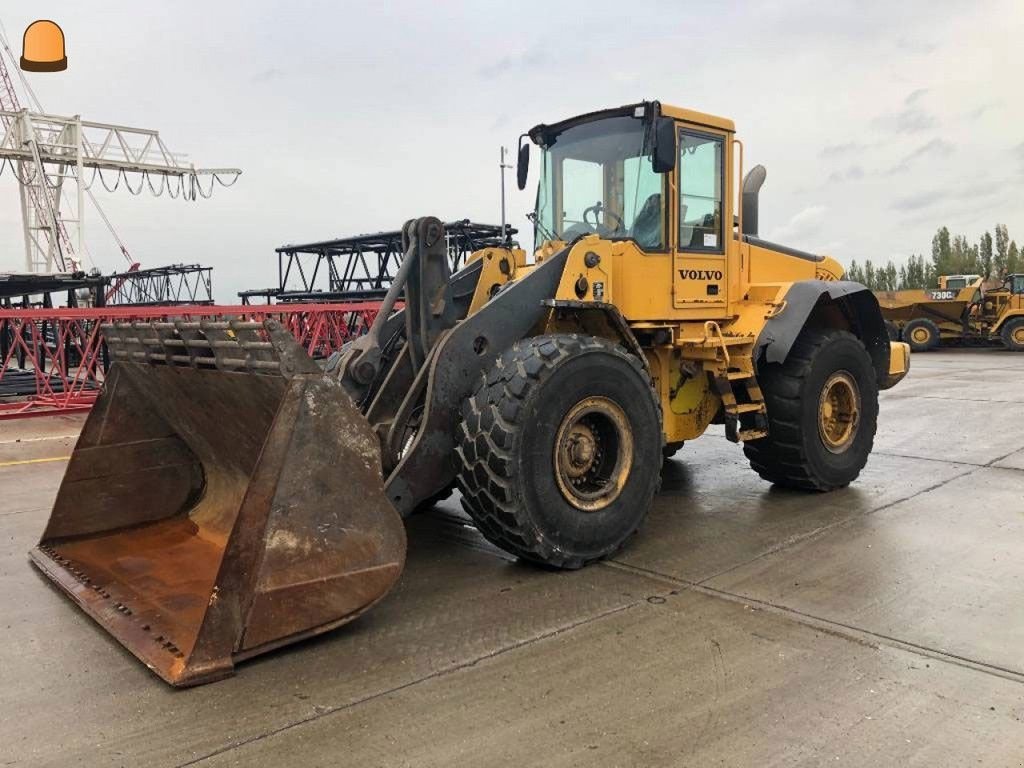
46	150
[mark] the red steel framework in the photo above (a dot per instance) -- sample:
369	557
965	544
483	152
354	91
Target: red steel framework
62	348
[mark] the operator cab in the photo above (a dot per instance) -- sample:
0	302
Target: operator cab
649	173
957	282
597	176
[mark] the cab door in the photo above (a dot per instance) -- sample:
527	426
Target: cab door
699	257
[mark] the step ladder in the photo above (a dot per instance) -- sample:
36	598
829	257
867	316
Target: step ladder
732	370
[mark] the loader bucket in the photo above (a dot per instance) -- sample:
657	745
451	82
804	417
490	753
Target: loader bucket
224	498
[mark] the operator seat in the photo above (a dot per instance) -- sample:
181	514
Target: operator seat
647	224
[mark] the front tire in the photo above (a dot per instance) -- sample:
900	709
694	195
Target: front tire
1013	334
921	334
560	449
822	412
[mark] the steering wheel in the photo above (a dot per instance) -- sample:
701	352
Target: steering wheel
598	209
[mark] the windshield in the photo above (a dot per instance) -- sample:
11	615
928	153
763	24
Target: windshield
956	283
596	177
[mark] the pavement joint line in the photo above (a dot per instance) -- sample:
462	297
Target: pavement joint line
848	632
976	465
1005	456
12	512
838	524
467	664
43	439
20	462
963	399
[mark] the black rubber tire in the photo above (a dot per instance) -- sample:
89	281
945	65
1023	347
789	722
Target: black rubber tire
671	449
916	324
506	445
892	330
1012	326
794	454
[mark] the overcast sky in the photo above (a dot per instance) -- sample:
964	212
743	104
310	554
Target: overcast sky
877	121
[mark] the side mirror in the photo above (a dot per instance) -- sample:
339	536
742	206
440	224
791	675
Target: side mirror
664	156
522	164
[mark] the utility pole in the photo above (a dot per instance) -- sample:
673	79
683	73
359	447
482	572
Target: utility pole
503	165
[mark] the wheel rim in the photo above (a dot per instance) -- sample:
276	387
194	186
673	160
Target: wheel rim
920	335
1018	335
593	453
839	412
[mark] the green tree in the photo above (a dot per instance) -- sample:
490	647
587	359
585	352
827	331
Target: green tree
960	259
855	273
1013	260
1002	251
985	255
891	277
869	274
942	252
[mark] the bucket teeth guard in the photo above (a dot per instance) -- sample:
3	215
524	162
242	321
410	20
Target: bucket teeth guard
225	498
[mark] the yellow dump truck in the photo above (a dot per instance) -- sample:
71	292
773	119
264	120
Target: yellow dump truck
958	311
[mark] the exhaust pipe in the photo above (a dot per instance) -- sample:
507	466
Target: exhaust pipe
751	190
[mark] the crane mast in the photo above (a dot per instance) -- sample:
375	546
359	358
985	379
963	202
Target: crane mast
57	160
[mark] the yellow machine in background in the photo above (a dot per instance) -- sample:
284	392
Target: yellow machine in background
959	311
251	499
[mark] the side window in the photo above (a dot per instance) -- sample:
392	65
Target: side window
1018	284
580	181
700	192
642	210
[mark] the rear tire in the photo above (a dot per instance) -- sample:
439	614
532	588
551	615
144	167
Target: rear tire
822	413
921	334
1013	334
560	449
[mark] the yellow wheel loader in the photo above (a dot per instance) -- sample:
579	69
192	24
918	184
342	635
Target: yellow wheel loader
227	496
959	311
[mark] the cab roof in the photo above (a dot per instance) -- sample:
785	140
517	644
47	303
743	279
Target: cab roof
702	118
544	133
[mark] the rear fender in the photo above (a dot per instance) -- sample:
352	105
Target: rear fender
839	304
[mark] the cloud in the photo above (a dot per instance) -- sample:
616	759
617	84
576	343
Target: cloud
914	46
853	173
839	150
920	200
915	96
266	75
929	198
913	118
802	225
980	110
910	120
936	148
531	59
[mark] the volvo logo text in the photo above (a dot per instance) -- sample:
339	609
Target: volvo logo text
700	274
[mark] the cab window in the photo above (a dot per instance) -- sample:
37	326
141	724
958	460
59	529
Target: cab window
1017	284
700	192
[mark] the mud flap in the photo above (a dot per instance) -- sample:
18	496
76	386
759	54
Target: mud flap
224	498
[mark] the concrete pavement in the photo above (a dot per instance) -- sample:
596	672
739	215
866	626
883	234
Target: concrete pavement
880	625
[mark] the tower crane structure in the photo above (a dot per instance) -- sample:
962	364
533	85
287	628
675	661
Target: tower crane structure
58	159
